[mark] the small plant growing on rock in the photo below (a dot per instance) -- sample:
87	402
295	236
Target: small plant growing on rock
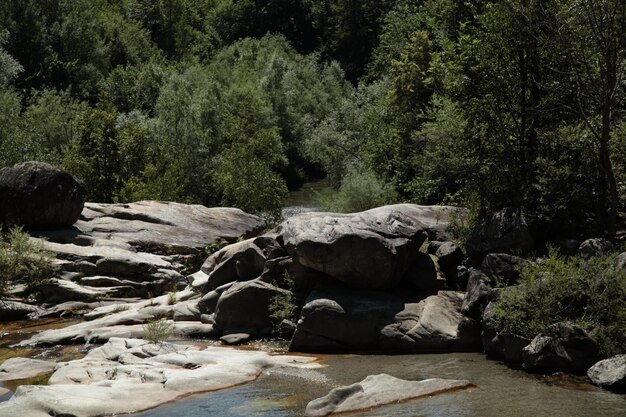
23	261
157	331
283	306
171	298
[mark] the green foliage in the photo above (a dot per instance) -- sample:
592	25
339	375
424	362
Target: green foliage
23	262
360	190
590	293
283	306
157	331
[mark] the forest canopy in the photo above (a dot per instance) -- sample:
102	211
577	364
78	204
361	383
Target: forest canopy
487	104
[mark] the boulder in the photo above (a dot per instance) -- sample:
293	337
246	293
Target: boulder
506	231
595	247
609	373
244	308
23	368
15	310
424	274
562	347
479	288
620	263
379	390
335	319
450	255
502	267
505	346
368	250
36	195
242	261
235	339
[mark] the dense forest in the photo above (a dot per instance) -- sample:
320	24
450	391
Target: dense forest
486	104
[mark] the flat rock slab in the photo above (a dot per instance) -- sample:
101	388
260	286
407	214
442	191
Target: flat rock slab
379	390
22	368
4	391
129	375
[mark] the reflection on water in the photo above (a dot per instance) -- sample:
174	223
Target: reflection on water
501	392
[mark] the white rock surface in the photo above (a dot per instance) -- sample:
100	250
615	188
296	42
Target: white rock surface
129	375
378	390
22	368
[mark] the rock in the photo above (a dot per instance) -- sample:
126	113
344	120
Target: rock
609	373
127	376
479	288
424	274
14	310
508	347
378	390
22	368
503	267
4	391
370	250
450	255
505	231
243	261
562	347
244	308
433	246
235	339
336	319
620	263
595	247
36	195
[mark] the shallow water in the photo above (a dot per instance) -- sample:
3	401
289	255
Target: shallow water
500	392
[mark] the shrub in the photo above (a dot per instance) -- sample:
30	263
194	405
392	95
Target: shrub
590	293
283	306
157	331
23	262
360	190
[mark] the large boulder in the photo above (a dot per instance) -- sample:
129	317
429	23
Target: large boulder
335	319
506	231
244	308
563	347
368	250
609	373
479	287
36	195
379	390
506	346
595	247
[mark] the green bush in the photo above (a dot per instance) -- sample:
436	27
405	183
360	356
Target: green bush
283	305
590	293
360	190
23	262
157	331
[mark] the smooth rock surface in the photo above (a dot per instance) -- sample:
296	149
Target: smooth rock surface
368	250
378	390
126	376
367	321
15	310
22	368
36	195
609	373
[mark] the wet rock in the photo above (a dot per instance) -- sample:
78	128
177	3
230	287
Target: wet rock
235	339
609	373
595	247
346	320
368	250
36	195
22	368
506	231
379	390
563	347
